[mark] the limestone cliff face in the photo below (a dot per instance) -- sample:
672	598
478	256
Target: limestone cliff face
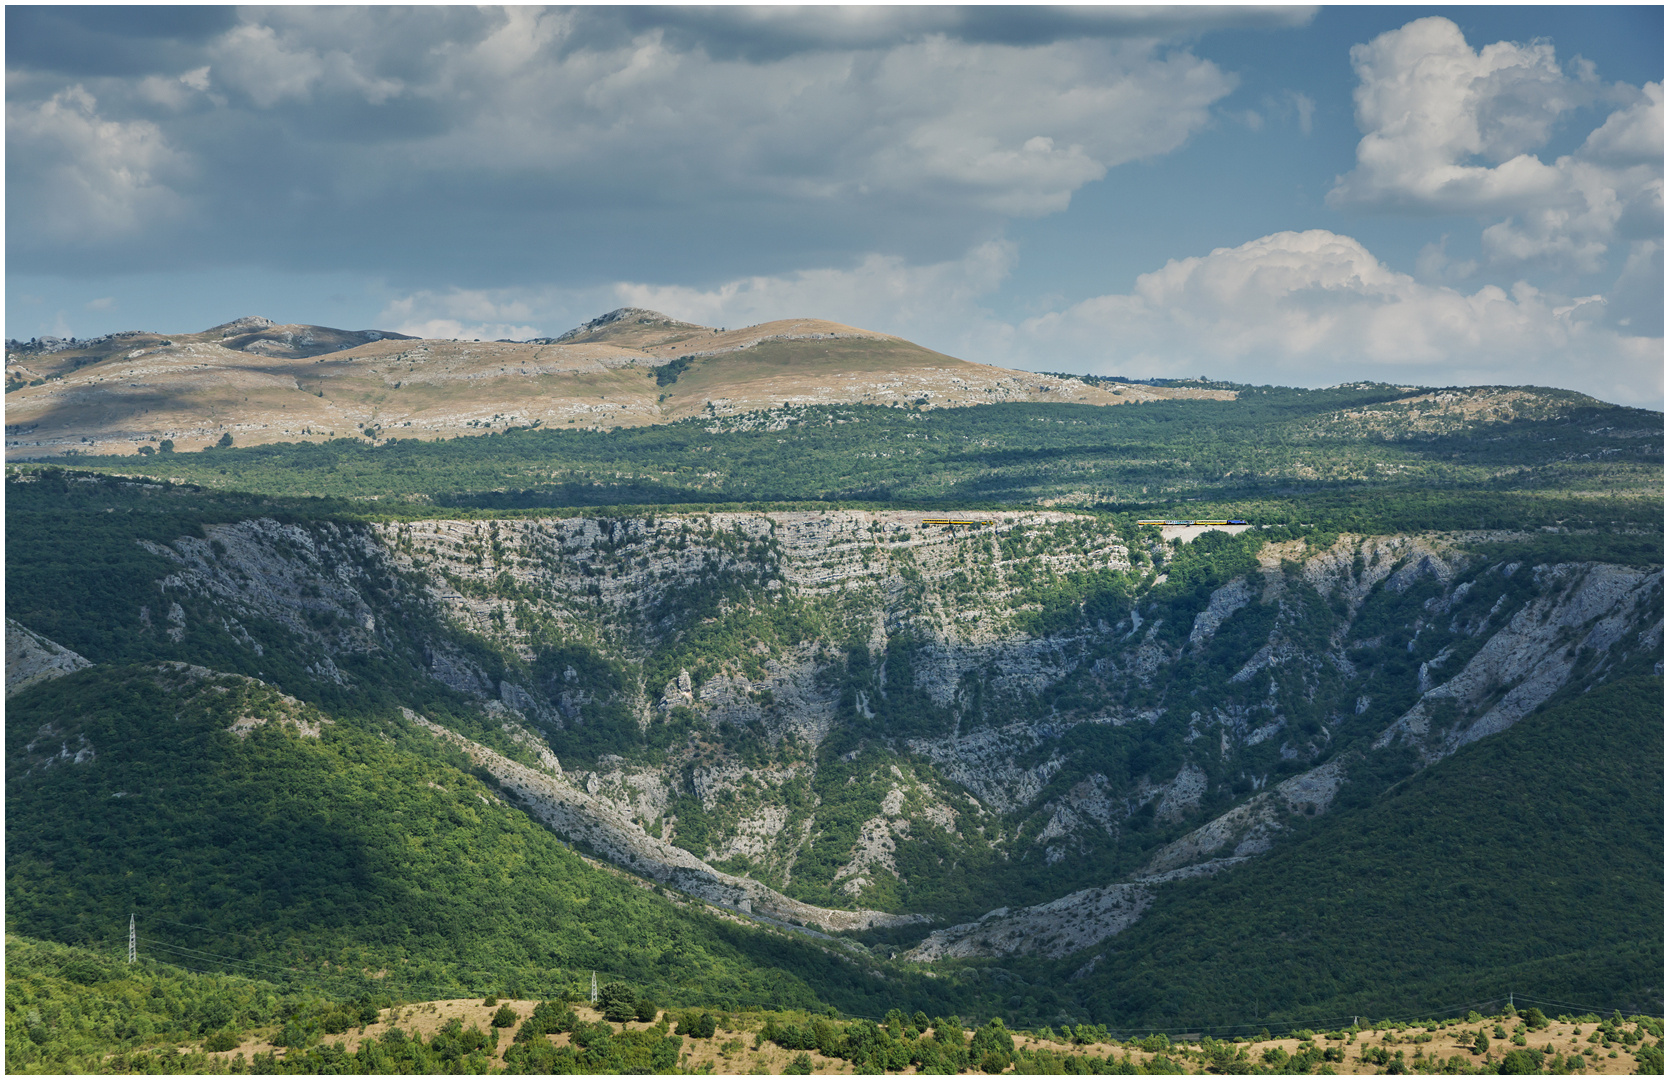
881	713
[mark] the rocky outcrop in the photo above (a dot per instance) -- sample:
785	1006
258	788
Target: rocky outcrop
31	658
1250	828
1058	928
1224	602
1583	611
576	814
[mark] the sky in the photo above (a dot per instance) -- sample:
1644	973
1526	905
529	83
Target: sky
1298	196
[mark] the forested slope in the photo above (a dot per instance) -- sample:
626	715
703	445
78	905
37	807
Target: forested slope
249	829
1529	860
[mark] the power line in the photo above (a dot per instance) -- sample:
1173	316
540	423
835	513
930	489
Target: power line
1594	1009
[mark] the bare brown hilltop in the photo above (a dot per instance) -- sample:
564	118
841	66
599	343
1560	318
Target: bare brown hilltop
261	382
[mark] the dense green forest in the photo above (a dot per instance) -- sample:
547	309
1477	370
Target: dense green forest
1359	442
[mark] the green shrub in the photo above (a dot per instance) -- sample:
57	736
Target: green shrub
549	1017
505	1017
697	1025
225	1039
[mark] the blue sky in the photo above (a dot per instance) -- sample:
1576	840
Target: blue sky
1288	195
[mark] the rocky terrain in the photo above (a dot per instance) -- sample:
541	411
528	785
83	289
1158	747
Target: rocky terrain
31	658
263	383
847	719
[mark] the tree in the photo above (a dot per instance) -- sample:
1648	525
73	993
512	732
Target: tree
1480	1045
225	441
618	1002
166	446
505	1017
992	1047
700	1025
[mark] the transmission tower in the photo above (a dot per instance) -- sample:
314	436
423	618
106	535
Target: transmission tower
593	988
132	939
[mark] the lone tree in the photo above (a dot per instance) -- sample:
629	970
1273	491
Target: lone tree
225	441
618	1002
1480	1045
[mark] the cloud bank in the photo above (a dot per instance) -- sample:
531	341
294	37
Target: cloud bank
374	136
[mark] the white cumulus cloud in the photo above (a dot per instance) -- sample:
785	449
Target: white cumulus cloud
460	313
564	116
1316	308
82	177
1452	130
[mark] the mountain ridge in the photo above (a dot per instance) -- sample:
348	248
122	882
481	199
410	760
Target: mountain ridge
258	382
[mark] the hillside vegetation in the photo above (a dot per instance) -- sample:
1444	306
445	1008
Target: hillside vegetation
947	766
254	832
729	711
1267	444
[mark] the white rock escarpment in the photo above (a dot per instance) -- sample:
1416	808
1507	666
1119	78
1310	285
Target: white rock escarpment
572	812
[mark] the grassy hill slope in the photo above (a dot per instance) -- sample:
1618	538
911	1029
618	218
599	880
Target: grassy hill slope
260	384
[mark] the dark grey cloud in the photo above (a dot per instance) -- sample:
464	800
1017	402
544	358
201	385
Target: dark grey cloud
109	40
